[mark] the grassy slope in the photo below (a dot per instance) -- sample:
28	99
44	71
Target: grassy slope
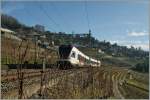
10	52
108	59
138	84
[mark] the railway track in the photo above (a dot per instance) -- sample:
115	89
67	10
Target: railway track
58	82
10	82
114	87
29	73
14	75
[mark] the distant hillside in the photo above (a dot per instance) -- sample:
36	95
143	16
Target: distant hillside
64	38
142	66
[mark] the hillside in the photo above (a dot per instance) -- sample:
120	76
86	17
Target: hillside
113	53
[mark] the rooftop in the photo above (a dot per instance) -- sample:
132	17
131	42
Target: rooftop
7	30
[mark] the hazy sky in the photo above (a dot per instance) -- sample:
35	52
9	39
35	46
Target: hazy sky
125	22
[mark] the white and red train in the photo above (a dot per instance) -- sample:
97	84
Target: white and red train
70	57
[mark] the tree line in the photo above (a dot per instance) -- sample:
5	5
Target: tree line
64	38
142	66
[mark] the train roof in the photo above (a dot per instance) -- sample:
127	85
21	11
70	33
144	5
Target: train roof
79	52
74	48
85	56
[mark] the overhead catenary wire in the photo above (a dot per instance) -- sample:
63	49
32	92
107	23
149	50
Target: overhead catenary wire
88	22
38	19
87	15
59	14
90	68
50	18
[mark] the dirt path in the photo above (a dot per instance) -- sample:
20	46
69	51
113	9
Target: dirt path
116	91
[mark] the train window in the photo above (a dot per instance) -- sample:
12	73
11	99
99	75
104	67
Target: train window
73	54
81	58
2	32
64	51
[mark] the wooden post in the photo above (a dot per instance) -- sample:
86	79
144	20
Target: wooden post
21	85
42	78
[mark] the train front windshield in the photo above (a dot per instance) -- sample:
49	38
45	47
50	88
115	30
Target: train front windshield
64	51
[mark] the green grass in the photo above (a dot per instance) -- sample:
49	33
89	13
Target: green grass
138	84
131	92
120	61
8	60
126	61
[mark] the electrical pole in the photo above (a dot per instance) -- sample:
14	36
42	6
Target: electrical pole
35	55
90	69
20	72
72	37
90	42
43	77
